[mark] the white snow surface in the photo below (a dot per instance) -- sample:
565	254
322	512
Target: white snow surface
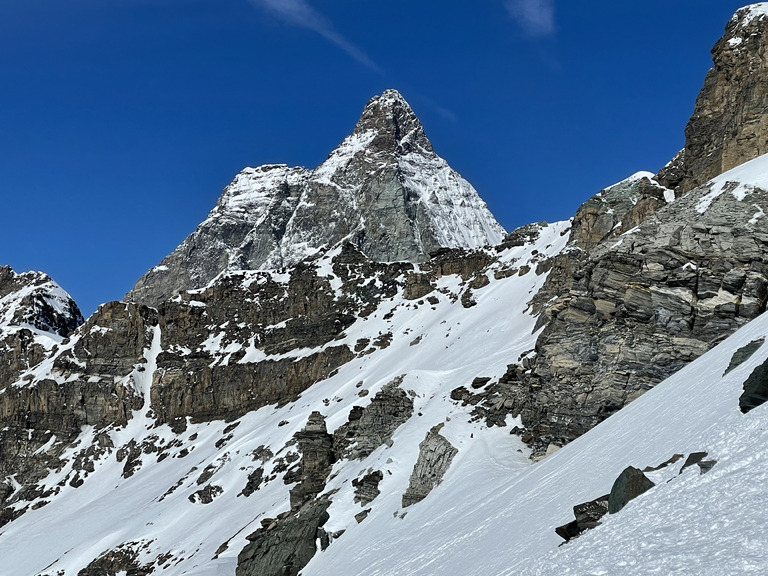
748	13
491	517
436	347
739	181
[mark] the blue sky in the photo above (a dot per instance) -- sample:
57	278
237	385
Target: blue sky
122	120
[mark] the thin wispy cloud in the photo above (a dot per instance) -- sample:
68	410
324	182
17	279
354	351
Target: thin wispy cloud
446	113
300	13
535	17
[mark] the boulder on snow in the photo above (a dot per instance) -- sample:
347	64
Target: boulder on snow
435	456
755	389
628	486
697	459
480	381
743	354
588	515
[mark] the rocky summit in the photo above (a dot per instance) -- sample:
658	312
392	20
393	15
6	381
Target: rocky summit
354	370
728	125
384	190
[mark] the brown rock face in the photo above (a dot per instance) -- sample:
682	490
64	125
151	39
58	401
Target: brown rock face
613	211
80	390
729	125
633	310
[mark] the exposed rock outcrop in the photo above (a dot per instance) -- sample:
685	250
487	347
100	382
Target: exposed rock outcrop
644	286
122	560
317	457
637	308
435	456
698	459
588	515
755	389
743	354
284	546
729	125
618	208
35	313
33	299
628	486
89	383
367	487
373	426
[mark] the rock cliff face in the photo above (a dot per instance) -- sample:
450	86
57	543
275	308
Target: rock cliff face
383	189
729	125
637	307
617	209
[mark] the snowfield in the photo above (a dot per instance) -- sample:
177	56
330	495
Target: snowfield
500	519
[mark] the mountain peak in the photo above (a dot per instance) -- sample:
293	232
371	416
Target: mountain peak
383	189
748	13
395	123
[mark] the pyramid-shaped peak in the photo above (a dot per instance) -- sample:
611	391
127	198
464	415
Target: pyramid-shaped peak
396	124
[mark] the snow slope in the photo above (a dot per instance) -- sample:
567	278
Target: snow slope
739	181
158	512
500	519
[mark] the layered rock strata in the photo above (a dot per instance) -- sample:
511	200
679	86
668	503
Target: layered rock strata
435	456
638	307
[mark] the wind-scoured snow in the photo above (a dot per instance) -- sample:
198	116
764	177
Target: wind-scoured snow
253	190
459	217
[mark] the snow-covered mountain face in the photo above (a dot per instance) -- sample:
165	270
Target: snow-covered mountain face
383	189
290	401
34	302
309	394
35	314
